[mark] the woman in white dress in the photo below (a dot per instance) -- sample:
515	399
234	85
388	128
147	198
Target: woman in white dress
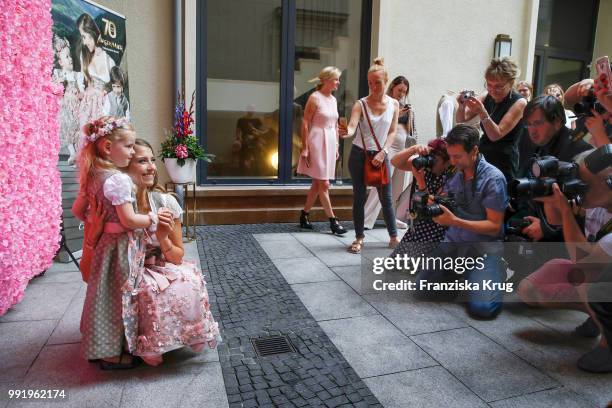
96	65
405	136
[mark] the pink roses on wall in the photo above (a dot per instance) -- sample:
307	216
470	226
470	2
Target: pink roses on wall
30	186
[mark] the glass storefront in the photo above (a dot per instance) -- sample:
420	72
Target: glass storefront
243	87
564	42
259	56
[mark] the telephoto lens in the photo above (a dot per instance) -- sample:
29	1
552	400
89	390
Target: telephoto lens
549	166
528	188
546	166
423	161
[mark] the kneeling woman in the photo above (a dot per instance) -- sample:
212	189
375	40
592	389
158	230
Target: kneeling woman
423	232
172	301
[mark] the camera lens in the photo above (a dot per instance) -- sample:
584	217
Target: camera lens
433	210
526	189
422	162
546	166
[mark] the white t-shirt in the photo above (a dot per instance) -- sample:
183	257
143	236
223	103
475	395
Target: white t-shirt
595	219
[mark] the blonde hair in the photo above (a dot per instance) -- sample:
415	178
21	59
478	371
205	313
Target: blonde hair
548	89
379	65
503	68
326	73
91	158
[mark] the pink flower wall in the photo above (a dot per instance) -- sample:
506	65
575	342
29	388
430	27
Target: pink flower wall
30	186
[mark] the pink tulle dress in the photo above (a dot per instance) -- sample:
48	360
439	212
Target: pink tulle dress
322	140
172	301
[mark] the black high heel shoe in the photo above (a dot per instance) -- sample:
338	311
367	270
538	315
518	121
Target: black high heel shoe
304	221
336	227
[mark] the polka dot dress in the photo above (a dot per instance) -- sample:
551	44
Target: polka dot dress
425	233
102	323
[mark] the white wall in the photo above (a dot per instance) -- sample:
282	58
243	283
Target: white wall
447	44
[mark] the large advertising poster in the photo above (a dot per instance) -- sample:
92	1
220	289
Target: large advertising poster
89	42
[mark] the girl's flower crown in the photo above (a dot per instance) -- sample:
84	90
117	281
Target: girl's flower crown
60	43
100	128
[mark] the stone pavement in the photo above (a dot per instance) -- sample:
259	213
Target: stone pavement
353	348
426	354
39	349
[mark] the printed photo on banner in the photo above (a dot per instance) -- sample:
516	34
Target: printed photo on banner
89	42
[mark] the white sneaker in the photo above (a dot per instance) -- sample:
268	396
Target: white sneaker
401	224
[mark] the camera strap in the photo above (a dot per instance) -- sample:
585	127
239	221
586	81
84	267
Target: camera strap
472	181
367	115
605	230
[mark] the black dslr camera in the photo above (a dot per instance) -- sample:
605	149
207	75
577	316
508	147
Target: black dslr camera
422	208
546	171
582	109
514	230
423	161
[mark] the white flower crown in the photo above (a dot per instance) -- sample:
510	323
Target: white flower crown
99	128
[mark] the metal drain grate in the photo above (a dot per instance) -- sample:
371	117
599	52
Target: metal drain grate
267	346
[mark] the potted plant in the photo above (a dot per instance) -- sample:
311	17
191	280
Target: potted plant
180	150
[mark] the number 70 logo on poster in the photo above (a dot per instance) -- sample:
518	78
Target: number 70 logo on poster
110	28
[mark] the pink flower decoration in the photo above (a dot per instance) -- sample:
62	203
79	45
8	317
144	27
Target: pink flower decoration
181	151
30	184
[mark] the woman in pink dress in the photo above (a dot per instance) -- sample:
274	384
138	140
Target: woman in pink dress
320	146
171	297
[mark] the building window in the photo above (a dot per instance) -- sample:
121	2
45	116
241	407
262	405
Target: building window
563	54
255	60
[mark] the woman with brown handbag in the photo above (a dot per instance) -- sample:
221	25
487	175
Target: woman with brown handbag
374	122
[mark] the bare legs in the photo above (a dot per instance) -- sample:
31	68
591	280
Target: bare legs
319	188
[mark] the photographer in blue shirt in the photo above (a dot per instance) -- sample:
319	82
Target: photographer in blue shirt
475	224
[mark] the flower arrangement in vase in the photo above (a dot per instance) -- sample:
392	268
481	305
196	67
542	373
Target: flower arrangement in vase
181	149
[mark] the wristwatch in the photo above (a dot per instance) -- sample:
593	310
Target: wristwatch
384	149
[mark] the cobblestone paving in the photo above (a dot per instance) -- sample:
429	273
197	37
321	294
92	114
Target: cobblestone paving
251	299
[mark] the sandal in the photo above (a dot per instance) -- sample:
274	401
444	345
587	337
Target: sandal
109	365
355	246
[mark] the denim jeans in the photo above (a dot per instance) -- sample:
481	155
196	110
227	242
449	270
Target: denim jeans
482	303
356	164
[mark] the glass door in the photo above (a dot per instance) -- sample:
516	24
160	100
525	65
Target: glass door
243	59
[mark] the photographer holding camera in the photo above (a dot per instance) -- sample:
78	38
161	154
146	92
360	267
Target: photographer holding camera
430	169
592	101
500	110
548	136
475	226
560	283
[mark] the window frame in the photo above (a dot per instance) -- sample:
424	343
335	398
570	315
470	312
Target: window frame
288	30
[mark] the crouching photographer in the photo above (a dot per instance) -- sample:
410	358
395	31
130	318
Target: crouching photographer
431	167
479	198
570	283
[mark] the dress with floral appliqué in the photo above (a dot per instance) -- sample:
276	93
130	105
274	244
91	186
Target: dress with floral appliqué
108	320
70	106
172	300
